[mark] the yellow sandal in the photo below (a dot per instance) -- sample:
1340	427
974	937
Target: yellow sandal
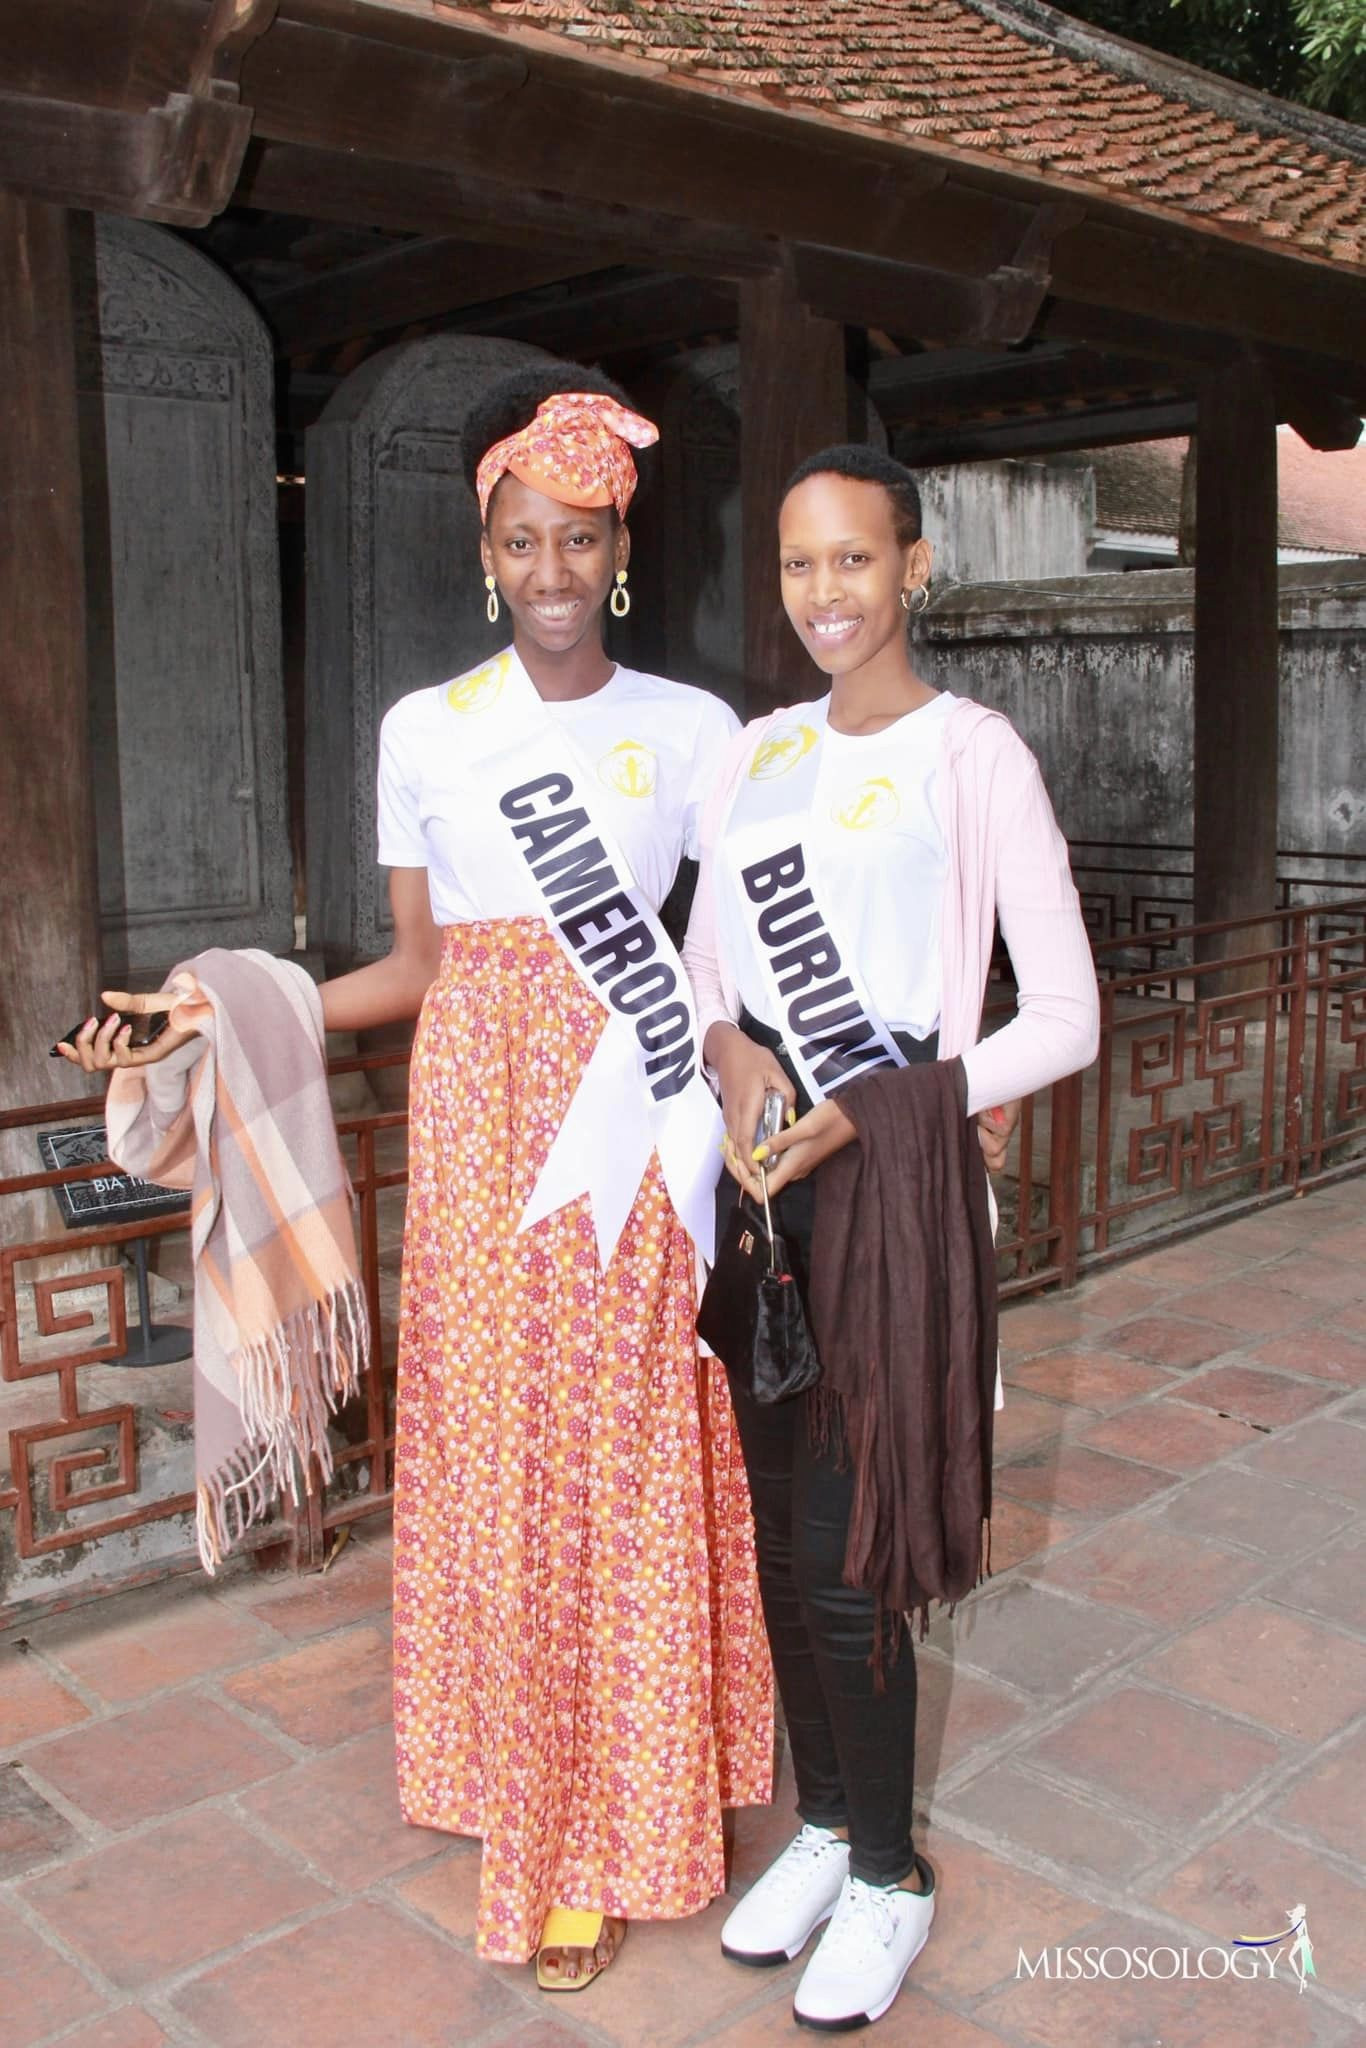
576	1940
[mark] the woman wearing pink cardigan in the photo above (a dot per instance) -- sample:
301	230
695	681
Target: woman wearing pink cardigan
855	859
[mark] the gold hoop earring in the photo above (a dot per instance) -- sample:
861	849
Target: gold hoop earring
620	600
491	602
922	590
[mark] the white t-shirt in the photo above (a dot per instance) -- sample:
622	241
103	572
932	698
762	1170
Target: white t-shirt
655	749
875	846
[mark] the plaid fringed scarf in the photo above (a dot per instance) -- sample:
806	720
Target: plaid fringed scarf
241	1116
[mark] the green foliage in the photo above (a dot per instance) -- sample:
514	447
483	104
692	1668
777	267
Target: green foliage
1308	50
1333	50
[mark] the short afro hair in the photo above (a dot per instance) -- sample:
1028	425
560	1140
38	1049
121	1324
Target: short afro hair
511	404
864	465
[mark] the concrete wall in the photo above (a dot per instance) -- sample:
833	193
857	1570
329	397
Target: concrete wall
1095	671
993	522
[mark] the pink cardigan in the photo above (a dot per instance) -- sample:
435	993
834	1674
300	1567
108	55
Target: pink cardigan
1007	859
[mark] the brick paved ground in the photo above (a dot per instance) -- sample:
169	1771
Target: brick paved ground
1149	1729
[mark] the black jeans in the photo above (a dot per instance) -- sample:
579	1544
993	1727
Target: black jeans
853	1747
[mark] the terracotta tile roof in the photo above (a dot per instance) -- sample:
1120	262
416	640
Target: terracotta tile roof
1321	498
1019	84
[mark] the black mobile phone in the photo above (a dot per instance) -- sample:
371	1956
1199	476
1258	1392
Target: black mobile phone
145	1029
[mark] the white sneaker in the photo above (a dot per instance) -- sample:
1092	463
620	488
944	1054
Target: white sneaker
873	1938
779	1914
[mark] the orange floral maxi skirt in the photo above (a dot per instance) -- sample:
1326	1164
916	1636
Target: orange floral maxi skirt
582	1678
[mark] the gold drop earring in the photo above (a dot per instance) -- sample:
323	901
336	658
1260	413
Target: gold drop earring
620	600
491	604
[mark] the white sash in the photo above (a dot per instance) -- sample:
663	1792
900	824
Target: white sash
827	1019
538	792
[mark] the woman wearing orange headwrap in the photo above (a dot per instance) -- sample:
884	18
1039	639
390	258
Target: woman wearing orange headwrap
581	1675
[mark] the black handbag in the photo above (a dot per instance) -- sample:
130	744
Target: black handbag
752	1313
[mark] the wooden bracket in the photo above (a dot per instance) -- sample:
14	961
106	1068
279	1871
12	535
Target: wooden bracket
176	163
1020	287
937	306
233	26
1320	418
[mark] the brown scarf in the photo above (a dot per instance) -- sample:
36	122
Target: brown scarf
903	1307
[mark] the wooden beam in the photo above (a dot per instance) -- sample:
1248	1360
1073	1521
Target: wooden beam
603	319
914	391
588	132
1181	346
792	402
1130	268
909	299
85	51
1236	650
176	163
324	184
998	307
48	920
585	134
1099	426
408	87
616	312
175	159
1169	342
416	281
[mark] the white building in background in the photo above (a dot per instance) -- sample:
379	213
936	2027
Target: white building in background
1120	508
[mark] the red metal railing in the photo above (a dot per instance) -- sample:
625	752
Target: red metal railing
1222	1083
51	1494
1127	887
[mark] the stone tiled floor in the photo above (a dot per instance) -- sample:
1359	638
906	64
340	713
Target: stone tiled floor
1148	1730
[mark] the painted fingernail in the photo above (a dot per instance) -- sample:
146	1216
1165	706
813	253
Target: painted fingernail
791	1118
760	1152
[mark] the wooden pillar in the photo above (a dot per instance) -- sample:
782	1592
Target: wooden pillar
48	912
792	402
1236	652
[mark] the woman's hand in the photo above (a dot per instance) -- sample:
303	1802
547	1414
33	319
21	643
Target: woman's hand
102	1048
995	1128
795	1153
826	1129
746	1072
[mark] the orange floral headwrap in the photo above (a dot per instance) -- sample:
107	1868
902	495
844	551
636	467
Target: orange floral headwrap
577	450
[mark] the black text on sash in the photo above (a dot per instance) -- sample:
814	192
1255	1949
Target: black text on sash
822	1016
614	946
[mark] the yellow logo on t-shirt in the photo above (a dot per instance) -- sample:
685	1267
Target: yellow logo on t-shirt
480	688
779	750
629	768
872	804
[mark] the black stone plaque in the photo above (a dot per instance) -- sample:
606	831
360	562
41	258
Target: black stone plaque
111	1197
